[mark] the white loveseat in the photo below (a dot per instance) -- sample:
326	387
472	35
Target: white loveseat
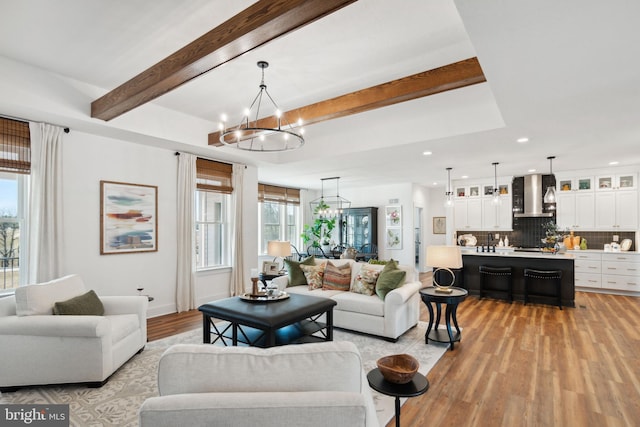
318	384
369	314
38	347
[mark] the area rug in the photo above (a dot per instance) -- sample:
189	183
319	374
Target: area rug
117	402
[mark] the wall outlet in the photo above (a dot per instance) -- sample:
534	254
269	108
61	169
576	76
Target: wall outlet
616	237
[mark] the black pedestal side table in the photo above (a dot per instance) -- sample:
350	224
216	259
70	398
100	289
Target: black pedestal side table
452	299
416	387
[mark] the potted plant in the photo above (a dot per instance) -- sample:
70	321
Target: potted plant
319	233
553	236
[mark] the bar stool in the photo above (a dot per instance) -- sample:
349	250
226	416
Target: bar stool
541	276
493	275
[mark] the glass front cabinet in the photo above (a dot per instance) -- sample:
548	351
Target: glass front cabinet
358	227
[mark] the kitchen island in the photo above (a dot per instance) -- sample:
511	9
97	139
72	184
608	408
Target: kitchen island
518	261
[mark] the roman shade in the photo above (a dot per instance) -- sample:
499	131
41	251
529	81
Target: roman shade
213	176
276	194
15	146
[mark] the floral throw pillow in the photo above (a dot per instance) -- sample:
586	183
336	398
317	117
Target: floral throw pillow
314	275
365	281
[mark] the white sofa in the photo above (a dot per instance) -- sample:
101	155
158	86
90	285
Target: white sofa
38	347
318	384
399	312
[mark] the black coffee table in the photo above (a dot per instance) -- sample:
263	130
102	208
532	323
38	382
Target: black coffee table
268	323
416	387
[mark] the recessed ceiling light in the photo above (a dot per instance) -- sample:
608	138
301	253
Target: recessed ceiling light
613	163
465	176
435	183
522	140
532	170
427	153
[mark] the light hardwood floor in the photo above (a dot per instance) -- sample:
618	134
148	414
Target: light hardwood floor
522	365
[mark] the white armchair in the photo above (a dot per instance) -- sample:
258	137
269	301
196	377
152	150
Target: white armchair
38	347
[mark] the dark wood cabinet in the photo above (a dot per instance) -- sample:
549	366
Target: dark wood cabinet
358	227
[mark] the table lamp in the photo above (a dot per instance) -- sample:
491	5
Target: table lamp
277	248
444	258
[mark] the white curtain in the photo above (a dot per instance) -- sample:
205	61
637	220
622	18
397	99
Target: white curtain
45	203
236	285
185	280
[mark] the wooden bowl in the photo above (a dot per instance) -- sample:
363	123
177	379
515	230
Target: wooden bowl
398	368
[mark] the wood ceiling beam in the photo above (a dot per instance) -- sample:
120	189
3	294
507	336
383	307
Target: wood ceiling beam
453	76
260	23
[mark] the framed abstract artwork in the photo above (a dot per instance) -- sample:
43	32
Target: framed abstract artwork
128	218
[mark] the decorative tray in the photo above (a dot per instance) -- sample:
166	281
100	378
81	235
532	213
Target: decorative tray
263	297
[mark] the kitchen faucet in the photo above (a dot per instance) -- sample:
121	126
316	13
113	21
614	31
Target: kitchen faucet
490	238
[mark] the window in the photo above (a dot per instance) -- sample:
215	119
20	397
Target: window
212	213
15	166
279	214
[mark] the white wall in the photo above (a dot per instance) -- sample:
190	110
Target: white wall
87	159
437	198
379	196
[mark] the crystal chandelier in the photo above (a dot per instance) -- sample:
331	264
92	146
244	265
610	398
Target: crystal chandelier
251	135
330	206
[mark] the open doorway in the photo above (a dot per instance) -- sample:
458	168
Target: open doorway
417	236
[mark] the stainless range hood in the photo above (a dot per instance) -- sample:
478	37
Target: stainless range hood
533	195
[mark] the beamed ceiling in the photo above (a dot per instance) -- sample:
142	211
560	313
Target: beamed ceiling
376	82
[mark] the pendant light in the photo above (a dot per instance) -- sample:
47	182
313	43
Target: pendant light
330	206
550	195
496	191
448	203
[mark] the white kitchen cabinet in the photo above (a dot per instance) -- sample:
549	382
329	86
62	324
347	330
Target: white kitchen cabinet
588	269
570	183
621	271
575	210
473	190
627	181
497	217
616	210
616	271
467	214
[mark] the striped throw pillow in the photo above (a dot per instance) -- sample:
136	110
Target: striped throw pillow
337	278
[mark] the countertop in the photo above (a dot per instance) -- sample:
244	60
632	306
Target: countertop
510	253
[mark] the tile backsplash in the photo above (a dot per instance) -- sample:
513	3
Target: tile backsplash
529	234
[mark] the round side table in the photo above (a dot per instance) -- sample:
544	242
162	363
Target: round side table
452	299
416	387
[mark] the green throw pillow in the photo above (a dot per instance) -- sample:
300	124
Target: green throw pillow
295	273
390	278
86	304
